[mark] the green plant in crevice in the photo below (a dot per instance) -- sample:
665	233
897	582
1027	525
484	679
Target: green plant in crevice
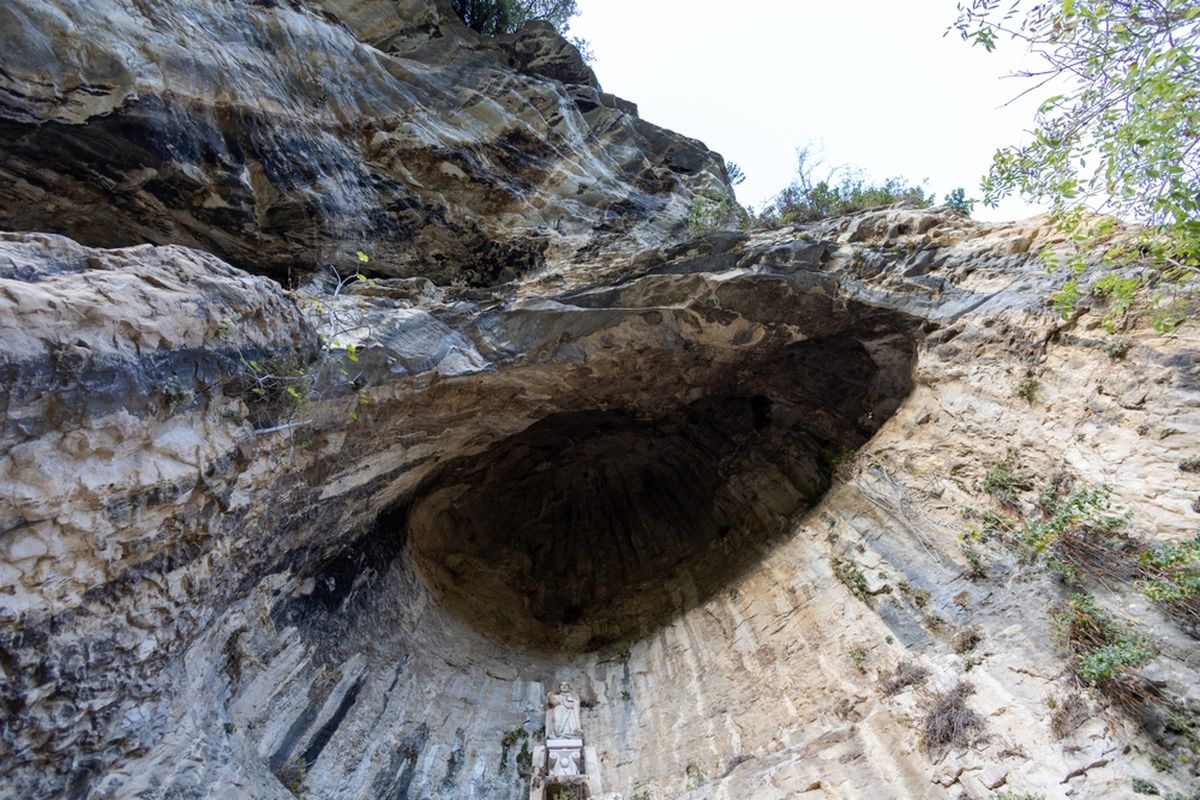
1143	786
1027	388
709	212
1102	649
974	559
174	393
848	573
1005	479
1117	349
1118	293
285	390
1171	578
508	741
1091	505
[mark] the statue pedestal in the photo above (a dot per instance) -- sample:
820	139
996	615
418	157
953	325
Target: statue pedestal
563	769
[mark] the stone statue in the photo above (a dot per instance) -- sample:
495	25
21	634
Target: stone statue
562	713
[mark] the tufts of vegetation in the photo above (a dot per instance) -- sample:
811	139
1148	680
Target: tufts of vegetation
1161	763
906	674
712	211
967	639
859	656
1005	479
991	525
1089	506
1190	464
285	390
1103	651
919	596
1143	786
174	394
949	719
1027	388
1117	349
1171	578
1117	293
1067	715
842	191
292	775
957	200
846	571
508	741
1001	481
524	759
974	561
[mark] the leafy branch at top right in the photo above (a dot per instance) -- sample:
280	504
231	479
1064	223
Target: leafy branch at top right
1119	135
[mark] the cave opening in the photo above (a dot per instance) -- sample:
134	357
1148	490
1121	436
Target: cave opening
593	527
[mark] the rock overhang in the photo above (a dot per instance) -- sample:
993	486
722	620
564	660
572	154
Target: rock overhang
648	443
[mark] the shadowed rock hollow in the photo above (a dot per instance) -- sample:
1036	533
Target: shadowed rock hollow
591	528
727	486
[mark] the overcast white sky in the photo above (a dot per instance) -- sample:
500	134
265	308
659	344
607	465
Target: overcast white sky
873	82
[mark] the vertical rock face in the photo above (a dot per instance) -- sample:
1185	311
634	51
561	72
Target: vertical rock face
284	136
740	491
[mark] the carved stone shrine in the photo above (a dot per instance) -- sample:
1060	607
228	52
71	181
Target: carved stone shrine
563	766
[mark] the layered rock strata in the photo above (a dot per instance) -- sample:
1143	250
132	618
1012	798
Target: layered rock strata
371	607
286	136
340	539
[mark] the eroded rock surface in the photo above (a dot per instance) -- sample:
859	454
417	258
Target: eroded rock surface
285	136
719	485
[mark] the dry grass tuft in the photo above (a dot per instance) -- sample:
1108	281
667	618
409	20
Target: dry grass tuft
905	675
1068	715
949	720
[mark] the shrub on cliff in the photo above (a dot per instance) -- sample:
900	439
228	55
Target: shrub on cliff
497	17
843	190
1121	134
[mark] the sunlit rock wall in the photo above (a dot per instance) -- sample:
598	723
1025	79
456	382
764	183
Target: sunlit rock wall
720	485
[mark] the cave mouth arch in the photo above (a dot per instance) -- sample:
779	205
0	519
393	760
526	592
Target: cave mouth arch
593	527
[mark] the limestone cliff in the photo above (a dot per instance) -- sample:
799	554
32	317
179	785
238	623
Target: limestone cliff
720	484
282	135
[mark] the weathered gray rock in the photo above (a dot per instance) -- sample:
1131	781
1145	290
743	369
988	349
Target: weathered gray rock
359	606
718	485
281	138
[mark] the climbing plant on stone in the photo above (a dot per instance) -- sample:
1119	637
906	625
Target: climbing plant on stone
1120	133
